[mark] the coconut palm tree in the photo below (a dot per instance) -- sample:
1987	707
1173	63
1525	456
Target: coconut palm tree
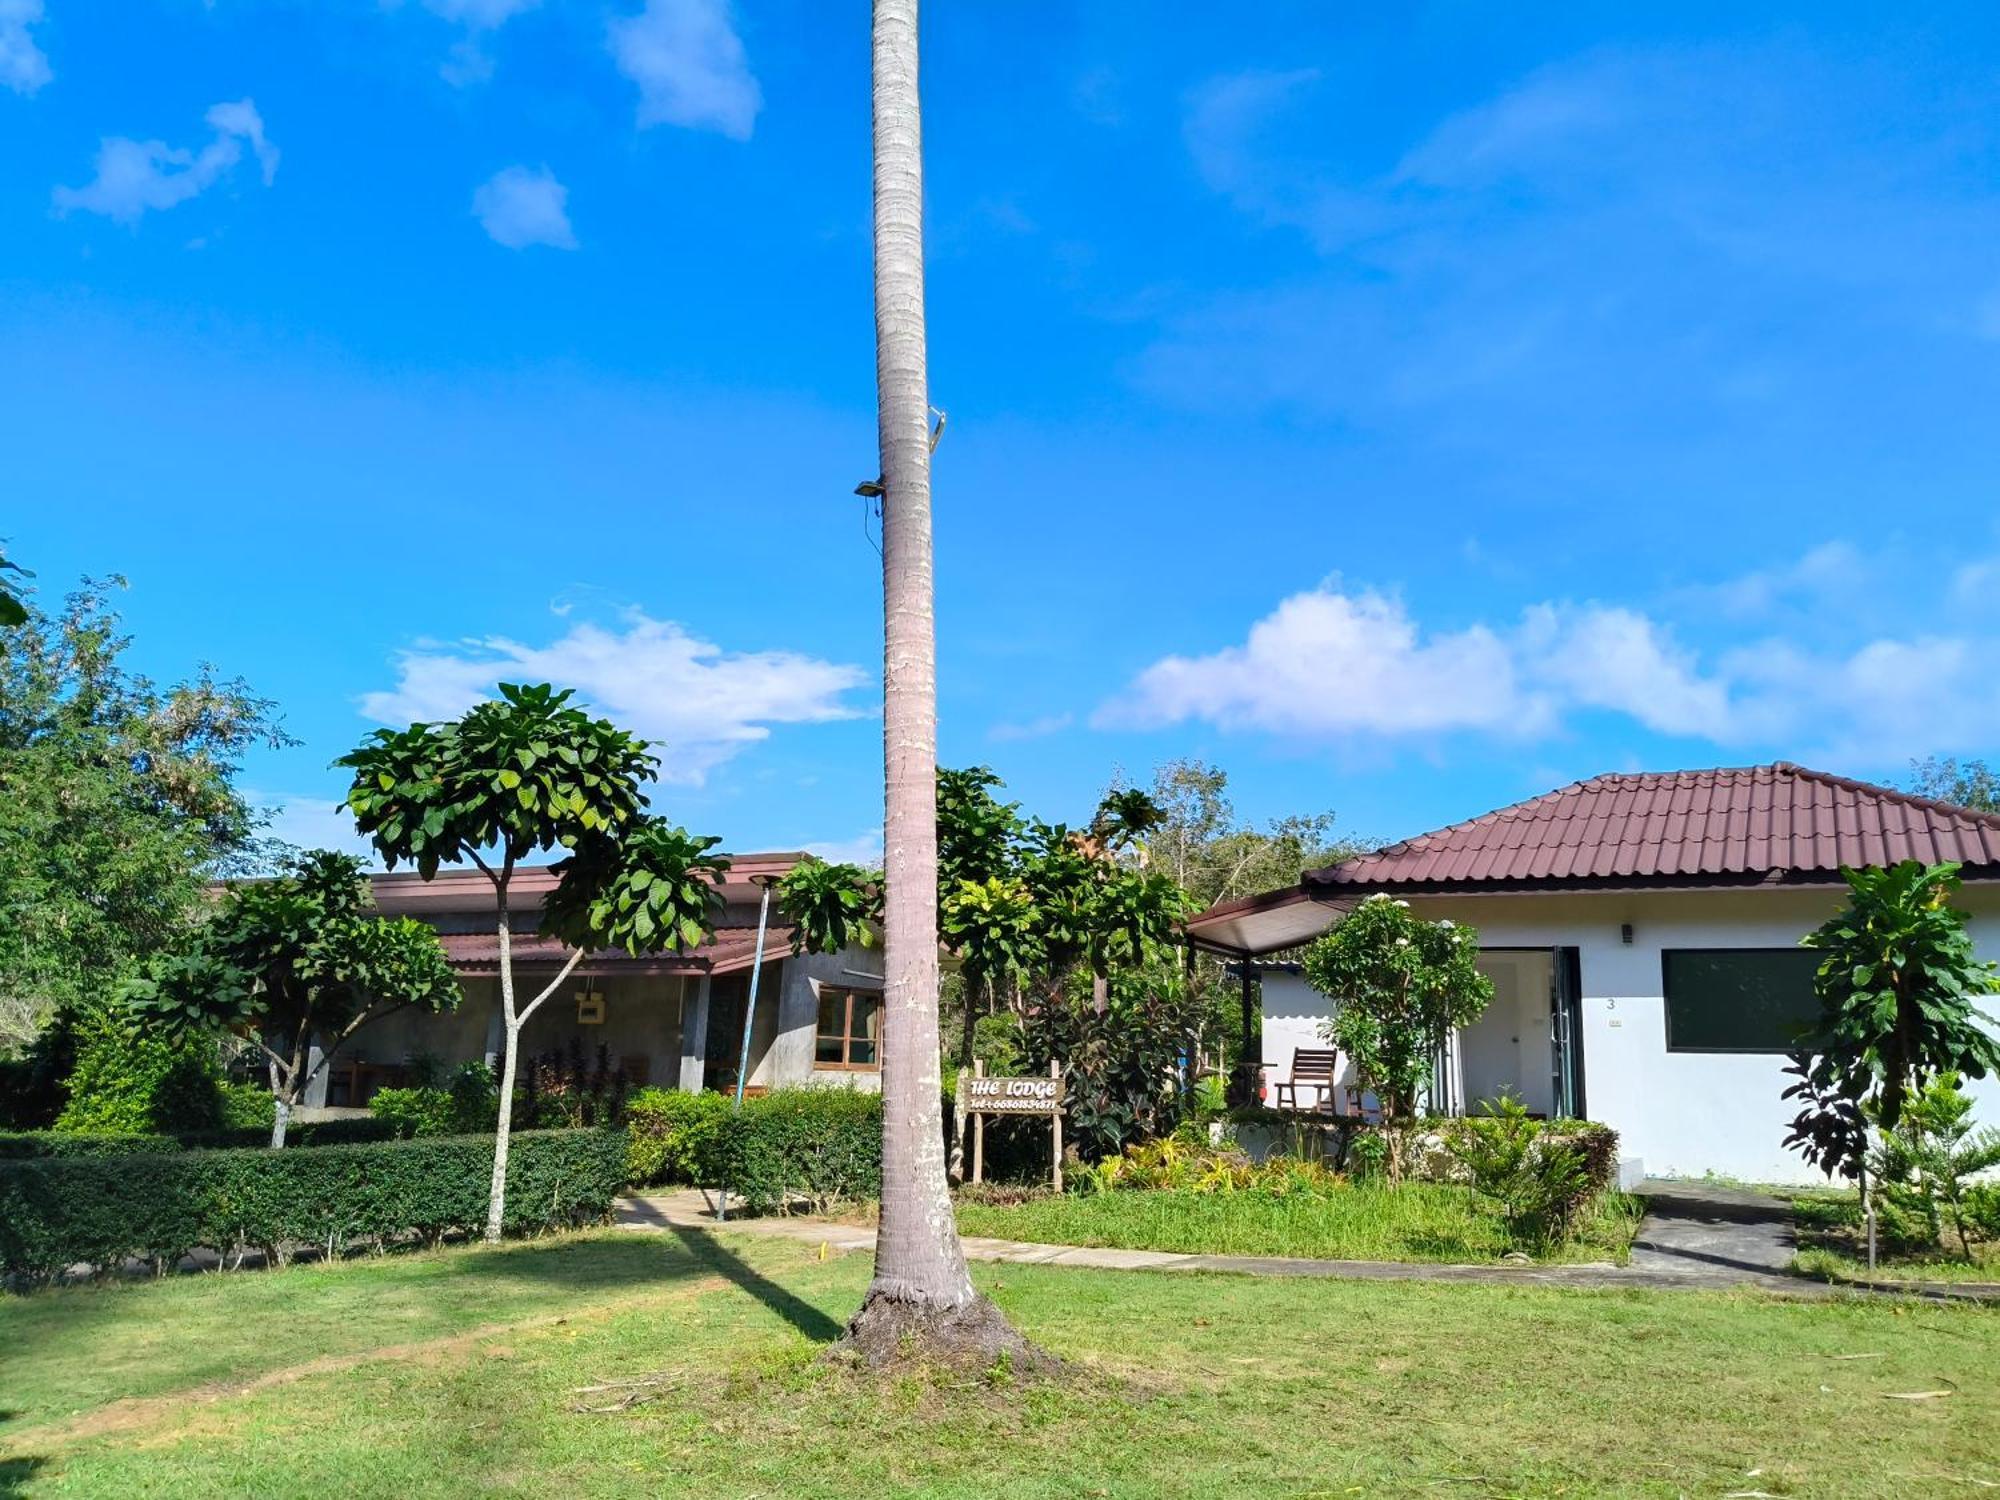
921	1300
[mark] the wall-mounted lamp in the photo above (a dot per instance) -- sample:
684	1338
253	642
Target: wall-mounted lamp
589	1007
1625	933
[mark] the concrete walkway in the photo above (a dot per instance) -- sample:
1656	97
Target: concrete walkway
1721	1236
1701	1242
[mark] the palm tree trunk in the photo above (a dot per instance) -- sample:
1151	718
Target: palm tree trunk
921	1303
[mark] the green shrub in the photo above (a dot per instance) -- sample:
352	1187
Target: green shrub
822	1145
99	1210
343	1130
1927	1166
248	1106
415	1112
674	1136
1540	1180
28	1145
130	1082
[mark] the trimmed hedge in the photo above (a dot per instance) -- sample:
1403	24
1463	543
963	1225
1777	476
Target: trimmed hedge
31	1145
674	1136
60	1211
821	1145
354	1130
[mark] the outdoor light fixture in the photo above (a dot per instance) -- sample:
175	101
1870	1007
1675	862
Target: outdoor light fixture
589	1007
1625	934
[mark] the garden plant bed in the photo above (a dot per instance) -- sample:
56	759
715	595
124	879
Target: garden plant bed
609	1364
1419	1221
1833	1245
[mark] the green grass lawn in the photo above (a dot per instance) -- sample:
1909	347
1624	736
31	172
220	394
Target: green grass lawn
1360	1221
456	1373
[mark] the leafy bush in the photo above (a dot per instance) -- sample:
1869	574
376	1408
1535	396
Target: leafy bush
1539	1181
1178	1165
674	1136
60	1211
414	1112
29	1145
128	1081
1926	1166
343	1130
246	1106
565	1090
822	1145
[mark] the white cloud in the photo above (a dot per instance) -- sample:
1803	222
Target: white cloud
1976	585
699	703
1328	665
522	206
1031	729
313	820
23	67
690	66
469	61
134	176
864	849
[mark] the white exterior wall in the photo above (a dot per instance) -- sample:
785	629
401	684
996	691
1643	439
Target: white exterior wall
1681	1113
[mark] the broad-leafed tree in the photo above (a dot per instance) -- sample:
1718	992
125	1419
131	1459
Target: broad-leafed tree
293	964
530	773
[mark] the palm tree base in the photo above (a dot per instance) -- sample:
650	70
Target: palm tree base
893	1332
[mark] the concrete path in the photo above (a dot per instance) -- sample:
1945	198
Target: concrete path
1701	1256
1718	1236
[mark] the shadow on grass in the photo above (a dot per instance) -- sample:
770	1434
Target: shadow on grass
15	1472
708	1251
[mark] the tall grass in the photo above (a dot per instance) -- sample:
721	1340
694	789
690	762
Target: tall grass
1418	1221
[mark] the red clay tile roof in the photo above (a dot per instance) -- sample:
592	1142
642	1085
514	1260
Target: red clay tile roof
730	949
1731	826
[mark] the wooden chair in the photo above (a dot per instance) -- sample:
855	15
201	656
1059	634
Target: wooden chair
1313	1069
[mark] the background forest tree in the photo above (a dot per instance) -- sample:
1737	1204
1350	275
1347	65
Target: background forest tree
118	801
1968	783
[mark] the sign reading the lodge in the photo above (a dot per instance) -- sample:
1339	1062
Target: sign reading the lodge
1014	1096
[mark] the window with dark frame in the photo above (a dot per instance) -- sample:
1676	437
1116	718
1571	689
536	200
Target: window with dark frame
850	1029
1738	999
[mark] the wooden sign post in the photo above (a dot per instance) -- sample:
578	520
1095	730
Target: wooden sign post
980	1096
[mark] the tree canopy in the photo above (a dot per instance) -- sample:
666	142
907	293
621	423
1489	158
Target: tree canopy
1966	783
530	772
293	962
118	802
1899	989
1400	985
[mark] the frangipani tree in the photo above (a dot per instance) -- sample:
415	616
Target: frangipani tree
1400	986
295	962
831	906
530	773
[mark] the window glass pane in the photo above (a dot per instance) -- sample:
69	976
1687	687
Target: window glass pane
832	1012
1738	999
868	1016
827	1050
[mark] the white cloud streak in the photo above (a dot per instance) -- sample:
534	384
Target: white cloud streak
136	176
700	704
522	206
23	66
1351	667
690	66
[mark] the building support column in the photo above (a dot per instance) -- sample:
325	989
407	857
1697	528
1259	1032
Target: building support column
694	1036
1242	1092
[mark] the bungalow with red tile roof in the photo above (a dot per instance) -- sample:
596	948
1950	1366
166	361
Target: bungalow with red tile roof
671	1019
1642	933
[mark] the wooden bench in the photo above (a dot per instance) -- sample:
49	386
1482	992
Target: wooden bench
1315	1069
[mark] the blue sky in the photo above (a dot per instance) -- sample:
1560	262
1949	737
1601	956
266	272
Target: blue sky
1408	408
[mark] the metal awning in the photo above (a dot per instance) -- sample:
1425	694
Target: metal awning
1266	923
